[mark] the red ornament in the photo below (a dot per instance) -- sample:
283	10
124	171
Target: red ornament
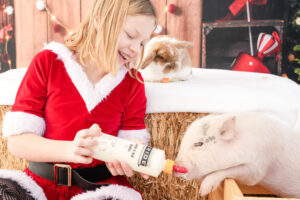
268	44
58	28
247	63
172	8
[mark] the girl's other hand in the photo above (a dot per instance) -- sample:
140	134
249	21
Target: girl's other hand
122	168
80	150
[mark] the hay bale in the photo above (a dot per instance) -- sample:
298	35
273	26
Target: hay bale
166	130
7	160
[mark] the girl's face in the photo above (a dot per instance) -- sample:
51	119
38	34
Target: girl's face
135	34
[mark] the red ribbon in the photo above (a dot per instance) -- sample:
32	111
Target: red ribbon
238	5
277	38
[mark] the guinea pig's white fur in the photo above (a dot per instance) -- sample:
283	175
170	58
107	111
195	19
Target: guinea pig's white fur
251	147
166	57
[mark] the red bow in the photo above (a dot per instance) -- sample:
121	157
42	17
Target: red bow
238	5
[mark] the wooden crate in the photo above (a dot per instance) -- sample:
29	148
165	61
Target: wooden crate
230	190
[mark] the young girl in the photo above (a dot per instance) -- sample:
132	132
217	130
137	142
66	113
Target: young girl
81	89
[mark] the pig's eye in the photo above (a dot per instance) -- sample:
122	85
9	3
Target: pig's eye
198	144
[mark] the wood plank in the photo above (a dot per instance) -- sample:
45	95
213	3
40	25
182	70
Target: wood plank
185	24
30	31
231	190
254	189
218	194
85	6
67	12
160	6
263	198
242	23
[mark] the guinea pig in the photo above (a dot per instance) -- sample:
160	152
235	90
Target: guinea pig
166	59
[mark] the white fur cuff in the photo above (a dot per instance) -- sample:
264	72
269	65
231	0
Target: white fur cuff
112	191
16	123
25	181
141	134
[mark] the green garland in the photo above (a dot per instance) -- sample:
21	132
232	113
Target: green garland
293	38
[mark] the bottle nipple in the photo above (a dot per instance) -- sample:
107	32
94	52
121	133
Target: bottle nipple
170	166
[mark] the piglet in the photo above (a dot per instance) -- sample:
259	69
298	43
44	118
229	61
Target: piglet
252	148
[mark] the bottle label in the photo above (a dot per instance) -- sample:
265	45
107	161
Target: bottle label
144	158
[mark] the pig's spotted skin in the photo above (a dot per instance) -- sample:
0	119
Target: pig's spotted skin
253	148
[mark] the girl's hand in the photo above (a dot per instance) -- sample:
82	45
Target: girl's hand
80	150
122	168
117	168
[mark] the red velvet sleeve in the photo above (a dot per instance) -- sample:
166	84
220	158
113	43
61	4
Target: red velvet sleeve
27	114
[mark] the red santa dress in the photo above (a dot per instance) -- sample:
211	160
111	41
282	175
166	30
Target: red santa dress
56	99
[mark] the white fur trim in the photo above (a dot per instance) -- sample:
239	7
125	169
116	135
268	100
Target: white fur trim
16	123
91	94
114	191
141	134
25	181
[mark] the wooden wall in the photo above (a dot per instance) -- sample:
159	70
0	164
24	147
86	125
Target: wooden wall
34	28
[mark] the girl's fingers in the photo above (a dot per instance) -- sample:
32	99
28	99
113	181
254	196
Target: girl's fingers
138	141
111	168
145	176
83	151
87	142
94	130
127	170
118	168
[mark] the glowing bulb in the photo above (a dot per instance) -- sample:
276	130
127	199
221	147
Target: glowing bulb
158	29
53	18
166	9
298	21
9	10
40	5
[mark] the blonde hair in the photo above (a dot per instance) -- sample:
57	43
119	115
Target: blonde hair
99	45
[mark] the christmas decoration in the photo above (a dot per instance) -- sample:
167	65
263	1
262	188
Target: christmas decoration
40	5
4	33
58	27
247	63
298	21
158	29
172	8
9	10
239	6
266	45
292	58
7	44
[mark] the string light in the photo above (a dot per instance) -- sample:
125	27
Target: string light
9	10
58	25
5	32
171	8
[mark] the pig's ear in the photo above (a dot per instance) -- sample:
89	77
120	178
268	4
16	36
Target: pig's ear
228	129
